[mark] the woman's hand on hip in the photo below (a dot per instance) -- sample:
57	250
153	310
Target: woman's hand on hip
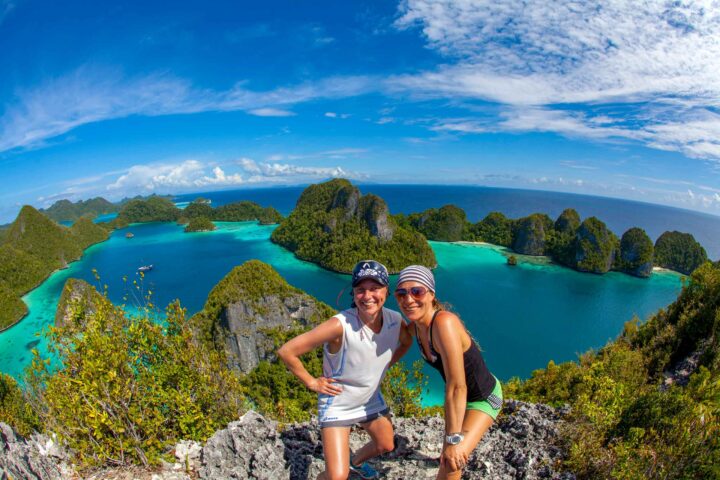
454	457
327	386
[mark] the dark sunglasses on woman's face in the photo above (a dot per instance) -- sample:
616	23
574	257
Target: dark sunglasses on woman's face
416	292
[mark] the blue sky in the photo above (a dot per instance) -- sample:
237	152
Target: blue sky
115	99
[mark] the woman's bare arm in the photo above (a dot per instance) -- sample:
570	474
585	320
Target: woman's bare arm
329	331
405	340
447	340
448	343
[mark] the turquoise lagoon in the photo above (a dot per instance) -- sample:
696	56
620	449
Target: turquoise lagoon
521	316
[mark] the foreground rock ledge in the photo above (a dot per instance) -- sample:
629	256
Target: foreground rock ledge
520	446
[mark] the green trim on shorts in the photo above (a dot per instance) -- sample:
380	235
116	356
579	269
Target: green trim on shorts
486	406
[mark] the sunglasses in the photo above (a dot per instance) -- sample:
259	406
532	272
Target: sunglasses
415	292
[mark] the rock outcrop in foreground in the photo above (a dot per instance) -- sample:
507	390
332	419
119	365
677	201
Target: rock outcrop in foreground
520	446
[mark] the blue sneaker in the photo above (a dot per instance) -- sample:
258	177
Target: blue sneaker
364	470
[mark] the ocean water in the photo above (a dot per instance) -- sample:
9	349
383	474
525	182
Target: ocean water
522	316
619	215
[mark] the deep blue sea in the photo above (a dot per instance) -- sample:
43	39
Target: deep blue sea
522	317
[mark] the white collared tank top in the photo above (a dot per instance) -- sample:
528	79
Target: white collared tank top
358	366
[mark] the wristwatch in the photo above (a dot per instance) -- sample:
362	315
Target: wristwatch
454	438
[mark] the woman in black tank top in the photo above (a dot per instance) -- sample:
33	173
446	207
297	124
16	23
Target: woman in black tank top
473	396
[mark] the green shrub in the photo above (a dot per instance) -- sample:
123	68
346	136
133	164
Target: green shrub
14	409
403	390
126	389
622	424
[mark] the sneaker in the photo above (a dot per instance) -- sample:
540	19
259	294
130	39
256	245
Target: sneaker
364	471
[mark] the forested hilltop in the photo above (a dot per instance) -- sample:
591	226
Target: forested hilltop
334	226
32	248
644	406
65	210
584	245
161	209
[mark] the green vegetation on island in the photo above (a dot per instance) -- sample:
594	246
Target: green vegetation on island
152	209
495	228
636	253
65	210
32	249
446	224
679	251
595	247
586	246
3	232
200	224
334	226
161	209
629	419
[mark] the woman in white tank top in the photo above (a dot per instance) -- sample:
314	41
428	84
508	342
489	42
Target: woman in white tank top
359	345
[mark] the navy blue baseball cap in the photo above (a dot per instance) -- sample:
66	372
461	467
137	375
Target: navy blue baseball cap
370	269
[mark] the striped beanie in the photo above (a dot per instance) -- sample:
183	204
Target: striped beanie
417	273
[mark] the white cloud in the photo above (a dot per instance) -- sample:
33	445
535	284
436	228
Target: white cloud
343	152
91	95
268	170
164	178
271	112
697	137
576	165
576	51
339	153
660	59
338	115
249	165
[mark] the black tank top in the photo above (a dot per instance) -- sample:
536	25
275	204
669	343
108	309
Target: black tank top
480	382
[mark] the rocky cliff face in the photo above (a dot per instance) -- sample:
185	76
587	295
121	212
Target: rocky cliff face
246	305
595	247
374	213
520	445
636	253
347	199
246	341
530	235
34	458
568	221
76	292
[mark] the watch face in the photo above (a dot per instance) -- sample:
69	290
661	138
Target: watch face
454	439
